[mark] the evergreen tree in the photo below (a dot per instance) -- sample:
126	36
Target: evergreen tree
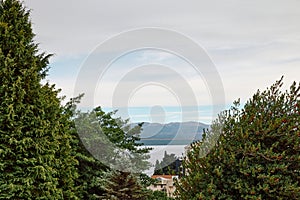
157	168
35	150
168	166
257	154
123	185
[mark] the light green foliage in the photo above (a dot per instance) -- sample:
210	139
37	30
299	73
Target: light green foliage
257	154
35	150
100	135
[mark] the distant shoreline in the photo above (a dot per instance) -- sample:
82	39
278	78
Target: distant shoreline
166	142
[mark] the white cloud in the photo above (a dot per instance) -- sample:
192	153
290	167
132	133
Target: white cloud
252	43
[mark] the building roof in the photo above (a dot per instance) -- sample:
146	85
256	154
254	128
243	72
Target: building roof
163	176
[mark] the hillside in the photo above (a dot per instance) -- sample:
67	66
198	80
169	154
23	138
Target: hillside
174	133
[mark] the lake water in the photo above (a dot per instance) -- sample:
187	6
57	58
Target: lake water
158	153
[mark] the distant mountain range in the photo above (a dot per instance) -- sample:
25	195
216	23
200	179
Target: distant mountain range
174	133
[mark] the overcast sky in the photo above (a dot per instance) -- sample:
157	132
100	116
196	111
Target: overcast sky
251	43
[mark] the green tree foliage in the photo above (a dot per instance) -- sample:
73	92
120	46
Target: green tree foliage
100	135
159	195
168	165
36	160
257	153
89	168
123	185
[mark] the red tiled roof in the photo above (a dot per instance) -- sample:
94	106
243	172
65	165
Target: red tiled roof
162	176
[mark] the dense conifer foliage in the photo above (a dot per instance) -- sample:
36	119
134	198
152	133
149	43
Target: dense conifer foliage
257	155
125	186
36	159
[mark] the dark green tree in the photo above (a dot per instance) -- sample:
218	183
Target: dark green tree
100	135
36	160
257	154
159	195
169	165
158	168
89	168
123	185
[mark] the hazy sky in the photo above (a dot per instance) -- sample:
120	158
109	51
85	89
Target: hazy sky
251	43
